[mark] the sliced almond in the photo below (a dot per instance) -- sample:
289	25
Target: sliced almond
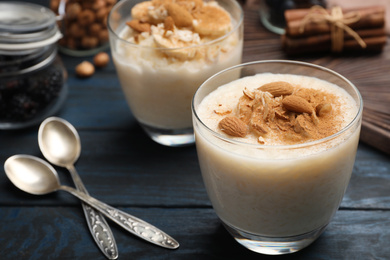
323	109
169	24
211	21
233	126
282	124
248	93
280	113
139	26
278	88
259	126
314	118
174	47
298	124
260	129
297	104
179	14
261	140
140	11
190	5
222	110
245	109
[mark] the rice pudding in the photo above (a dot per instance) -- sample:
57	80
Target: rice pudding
166	51
276	152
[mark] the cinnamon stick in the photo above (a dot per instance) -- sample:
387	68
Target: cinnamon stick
325	37
321	43
298	14
369	17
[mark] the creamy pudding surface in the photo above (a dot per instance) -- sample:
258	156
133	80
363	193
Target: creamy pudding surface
170	47
278	109
261	185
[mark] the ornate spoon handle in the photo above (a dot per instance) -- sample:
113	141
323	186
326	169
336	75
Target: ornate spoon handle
97	224
130	223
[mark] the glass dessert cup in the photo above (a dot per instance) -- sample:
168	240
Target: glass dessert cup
276	199
159	87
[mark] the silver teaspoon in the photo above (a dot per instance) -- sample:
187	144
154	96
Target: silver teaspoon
60	144
35	176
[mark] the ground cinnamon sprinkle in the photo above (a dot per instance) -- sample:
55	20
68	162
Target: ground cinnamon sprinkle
291	114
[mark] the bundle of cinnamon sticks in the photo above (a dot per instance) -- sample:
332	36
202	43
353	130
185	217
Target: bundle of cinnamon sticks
311	30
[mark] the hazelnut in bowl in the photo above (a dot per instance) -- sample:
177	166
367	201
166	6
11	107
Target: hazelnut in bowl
83	24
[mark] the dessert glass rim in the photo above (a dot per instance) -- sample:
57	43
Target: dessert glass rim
281	147
234	29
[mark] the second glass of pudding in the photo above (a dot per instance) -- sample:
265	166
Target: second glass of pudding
276	142
164	50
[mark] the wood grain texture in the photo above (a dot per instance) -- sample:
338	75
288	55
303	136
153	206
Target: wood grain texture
369	73
60	233
147	174
121	166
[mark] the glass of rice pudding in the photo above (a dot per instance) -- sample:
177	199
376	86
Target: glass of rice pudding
276	142
163	50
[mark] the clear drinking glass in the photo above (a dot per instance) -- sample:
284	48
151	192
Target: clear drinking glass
276	199
159	88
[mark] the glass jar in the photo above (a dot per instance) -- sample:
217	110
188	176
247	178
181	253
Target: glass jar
272	12
83	24
32	76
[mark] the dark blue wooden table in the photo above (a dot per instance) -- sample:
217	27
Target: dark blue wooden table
121	166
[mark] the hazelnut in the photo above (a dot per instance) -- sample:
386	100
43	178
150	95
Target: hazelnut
101	59
101	14
75	31
89	42
71	43
115	17
54	4
111	2
86	17
95	29
62	41
98	4
85	69
103	36
85	23
104	22
87	4
73	10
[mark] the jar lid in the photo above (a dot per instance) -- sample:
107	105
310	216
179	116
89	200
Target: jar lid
25	26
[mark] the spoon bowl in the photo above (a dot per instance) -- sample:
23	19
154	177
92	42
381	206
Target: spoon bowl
31	174
59	142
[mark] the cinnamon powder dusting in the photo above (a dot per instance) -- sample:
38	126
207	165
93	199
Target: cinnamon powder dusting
300	116
177	24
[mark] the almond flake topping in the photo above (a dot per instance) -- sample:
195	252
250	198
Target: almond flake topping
292	113
177	24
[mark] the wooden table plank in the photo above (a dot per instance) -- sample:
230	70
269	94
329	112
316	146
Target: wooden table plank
145	173
121	166
61	233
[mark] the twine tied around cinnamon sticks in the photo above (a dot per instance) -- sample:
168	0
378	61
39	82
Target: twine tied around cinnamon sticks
338	22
